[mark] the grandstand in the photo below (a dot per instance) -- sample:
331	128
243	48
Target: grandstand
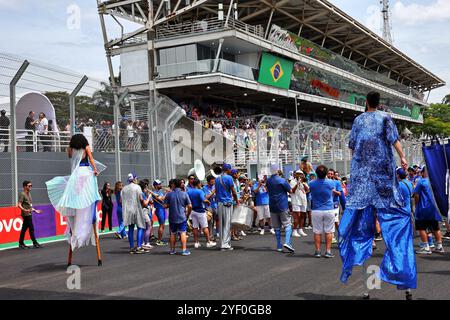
226	62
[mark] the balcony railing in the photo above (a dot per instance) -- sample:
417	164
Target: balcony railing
206	25
205	67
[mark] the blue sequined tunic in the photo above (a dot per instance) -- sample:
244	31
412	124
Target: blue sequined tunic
372	173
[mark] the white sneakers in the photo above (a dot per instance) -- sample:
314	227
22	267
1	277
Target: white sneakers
209	244
261	232
272	231
147	246
243	233
297	233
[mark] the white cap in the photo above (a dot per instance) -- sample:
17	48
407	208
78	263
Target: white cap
274	168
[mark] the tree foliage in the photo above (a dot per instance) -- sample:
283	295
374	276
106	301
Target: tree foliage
98	107
436	122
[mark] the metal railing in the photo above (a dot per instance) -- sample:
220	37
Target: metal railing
206	25
291	140
33	141
205	67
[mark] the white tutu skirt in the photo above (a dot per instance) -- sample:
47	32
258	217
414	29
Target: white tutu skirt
75	197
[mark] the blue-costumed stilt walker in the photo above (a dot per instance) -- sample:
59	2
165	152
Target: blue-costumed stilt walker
374	192
76	196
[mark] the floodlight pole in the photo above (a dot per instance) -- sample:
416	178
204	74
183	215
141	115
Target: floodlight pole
12	105
72	98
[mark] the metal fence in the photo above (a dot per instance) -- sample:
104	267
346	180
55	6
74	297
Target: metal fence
117	127
139	134
286	141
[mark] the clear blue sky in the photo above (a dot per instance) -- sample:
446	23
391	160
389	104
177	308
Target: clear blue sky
45	30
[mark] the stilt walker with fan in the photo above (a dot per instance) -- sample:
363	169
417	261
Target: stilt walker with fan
76	196
374	191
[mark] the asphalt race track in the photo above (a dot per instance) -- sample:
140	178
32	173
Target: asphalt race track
254	270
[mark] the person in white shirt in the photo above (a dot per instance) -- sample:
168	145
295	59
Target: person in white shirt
299	202
42	131
130	135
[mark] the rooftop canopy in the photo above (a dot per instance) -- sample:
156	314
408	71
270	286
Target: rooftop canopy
316	20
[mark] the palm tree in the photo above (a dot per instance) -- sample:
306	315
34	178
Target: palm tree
446	99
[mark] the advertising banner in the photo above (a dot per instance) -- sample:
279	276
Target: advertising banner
275	71
47	225
313	80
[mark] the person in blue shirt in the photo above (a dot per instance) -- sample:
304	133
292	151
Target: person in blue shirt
198	213
412	177
406	188
121	232
262	204
180	207
190	184
427	215
374	189
160	212
225	194
336	199
210	194
323	193
278	189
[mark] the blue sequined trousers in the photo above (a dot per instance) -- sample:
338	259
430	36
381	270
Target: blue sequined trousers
356	234
373	184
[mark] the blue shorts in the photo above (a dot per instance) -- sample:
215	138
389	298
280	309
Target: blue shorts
161	215
178	227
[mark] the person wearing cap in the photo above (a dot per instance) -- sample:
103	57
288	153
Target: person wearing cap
4	130
309	177
158	197
198	213
406	188
133	213
427	215
374	189
225	193
412	176
278	189
299	202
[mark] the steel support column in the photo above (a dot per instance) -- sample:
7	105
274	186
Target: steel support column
72	103
12	106
117	134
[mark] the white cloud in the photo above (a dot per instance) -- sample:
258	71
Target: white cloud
8	4
373	19
415	14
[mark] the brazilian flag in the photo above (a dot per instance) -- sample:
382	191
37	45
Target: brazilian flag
275	71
